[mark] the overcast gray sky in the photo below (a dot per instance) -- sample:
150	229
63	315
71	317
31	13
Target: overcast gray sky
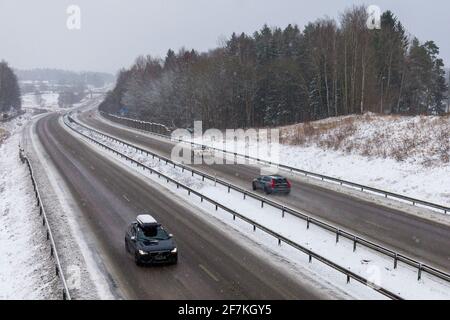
114	32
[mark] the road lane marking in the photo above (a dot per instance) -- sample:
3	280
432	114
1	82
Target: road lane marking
209	273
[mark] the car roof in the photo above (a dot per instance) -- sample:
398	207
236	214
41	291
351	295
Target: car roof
146	220
275	176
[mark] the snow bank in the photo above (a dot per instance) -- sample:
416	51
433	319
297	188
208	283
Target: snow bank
26	268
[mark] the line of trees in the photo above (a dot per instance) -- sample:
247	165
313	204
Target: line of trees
283	76
10	99
65	77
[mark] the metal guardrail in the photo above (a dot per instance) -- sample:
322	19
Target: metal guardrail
387	194
397	257
281	239
53	250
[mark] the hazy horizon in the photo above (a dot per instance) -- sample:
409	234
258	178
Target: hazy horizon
113	33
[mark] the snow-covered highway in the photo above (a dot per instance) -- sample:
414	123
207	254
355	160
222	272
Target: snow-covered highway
213	262
424	239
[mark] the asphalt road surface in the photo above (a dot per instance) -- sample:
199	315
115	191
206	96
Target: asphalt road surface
425	240
212	265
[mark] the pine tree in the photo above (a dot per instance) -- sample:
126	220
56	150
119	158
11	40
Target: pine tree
10	98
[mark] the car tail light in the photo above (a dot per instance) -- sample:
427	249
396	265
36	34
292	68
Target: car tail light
273	183
288	183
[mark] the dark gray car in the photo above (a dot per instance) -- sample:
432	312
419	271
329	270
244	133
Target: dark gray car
149	243
272	184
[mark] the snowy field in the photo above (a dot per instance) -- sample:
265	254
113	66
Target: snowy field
365	262
26	269
48	101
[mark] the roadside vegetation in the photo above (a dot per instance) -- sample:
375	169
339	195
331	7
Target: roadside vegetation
10	101
422	139
278	76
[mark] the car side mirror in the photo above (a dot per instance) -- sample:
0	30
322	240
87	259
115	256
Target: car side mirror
133	238
170	235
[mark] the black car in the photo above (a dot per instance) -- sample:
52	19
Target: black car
149	243
272	184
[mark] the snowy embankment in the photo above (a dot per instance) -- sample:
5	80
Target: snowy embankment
26	268
364	262
404	155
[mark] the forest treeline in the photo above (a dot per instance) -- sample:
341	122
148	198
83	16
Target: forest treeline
10	99
282	76
65	77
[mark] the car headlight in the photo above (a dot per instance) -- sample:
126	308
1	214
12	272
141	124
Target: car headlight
142	252
174	250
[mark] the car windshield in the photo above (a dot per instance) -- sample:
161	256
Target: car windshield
152	233
280	180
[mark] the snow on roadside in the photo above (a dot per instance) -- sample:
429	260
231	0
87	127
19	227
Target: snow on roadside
26	268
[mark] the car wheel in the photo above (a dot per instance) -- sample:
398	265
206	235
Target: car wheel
267	191
254	186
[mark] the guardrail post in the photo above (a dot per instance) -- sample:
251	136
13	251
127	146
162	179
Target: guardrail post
354	244
395	261
282	213
337	235
279	241
262	203
348	278
419	274
307	223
